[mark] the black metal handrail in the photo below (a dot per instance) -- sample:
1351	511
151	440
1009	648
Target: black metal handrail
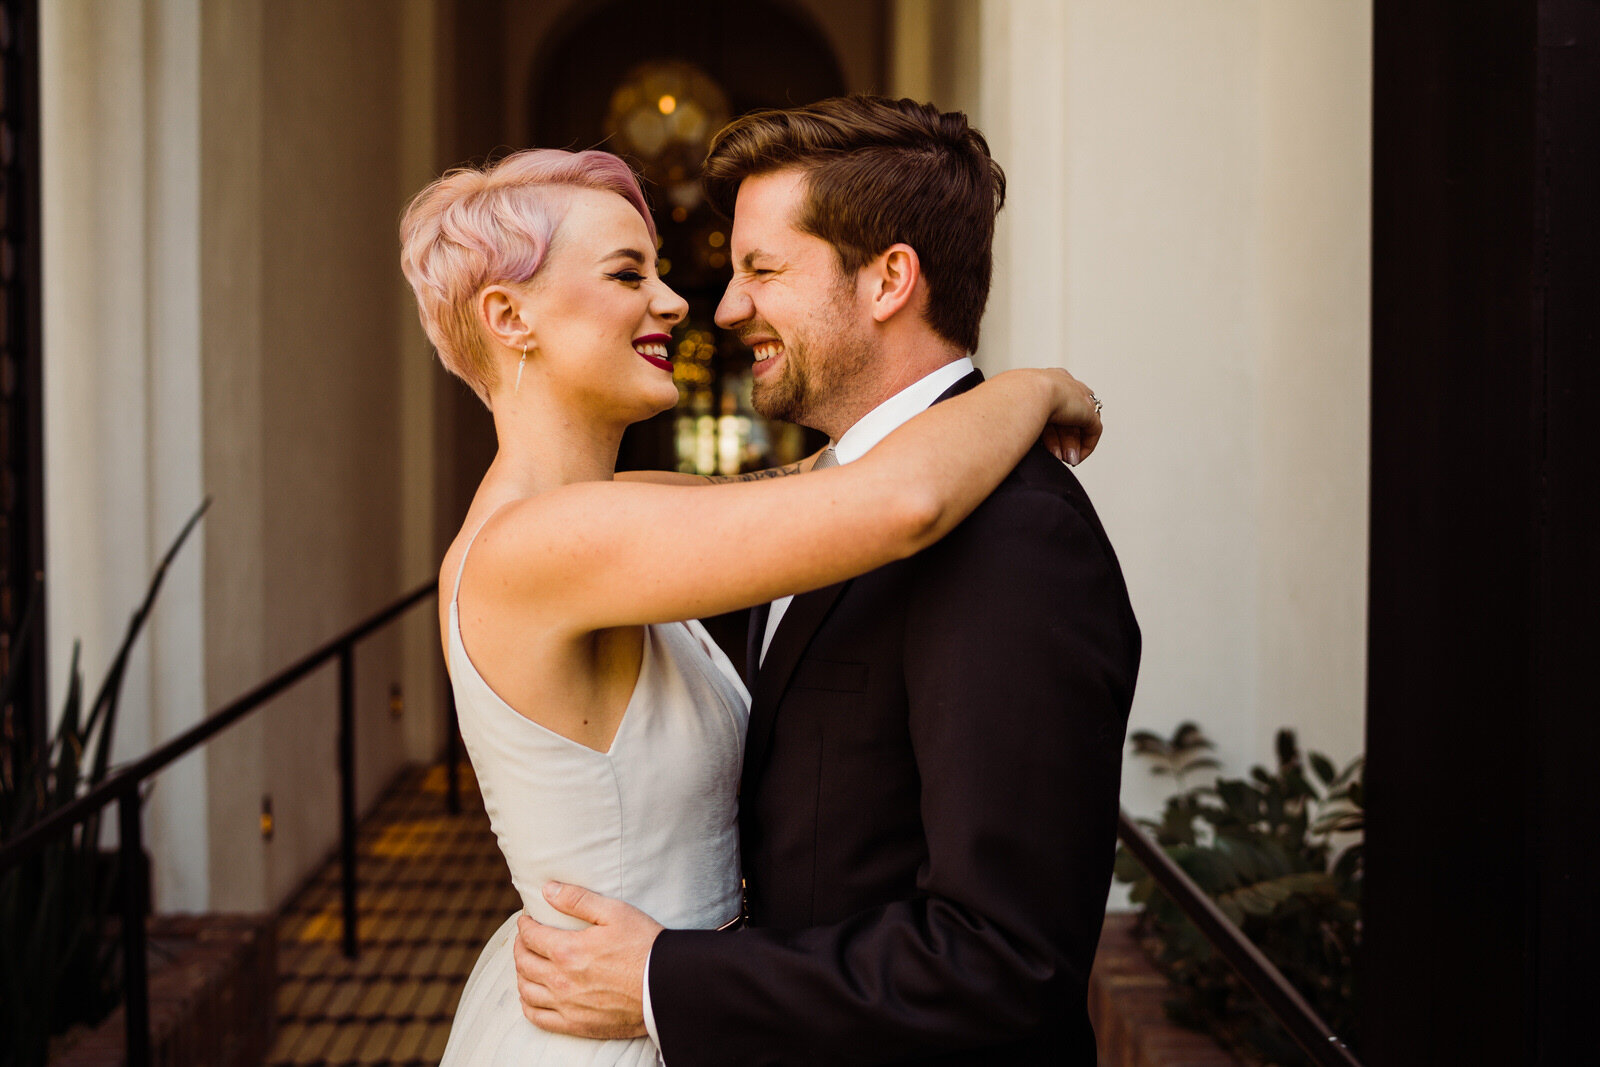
122	788
1247	961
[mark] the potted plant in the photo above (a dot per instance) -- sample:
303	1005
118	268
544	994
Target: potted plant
1280	853
60	968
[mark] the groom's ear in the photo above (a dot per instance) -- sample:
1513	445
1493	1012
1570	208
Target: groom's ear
894	280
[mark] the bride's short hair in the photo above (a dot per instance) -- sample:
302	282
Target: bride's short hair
479	226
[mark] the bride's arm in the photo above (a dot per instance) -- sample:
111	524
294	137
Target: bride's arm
600	554
679	478
1068	441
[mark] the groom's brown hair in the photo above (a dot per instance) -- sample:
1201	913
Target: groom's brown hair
881	172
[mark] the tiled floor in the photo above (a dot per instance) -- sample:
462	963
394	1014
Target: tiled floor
433	888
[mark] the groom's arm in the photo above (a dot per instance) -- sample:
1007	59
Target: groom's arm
1019	656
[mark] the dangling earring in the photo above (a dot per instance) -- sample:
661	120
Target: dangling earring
523	362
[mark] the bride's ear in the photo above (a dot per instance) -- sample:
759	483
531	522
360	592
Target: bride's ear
505	316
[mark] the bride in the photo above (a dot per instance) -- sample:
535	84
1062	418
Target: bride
606	732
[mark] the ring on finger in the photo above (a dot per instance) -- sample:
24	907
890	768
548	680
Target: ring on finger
1096	402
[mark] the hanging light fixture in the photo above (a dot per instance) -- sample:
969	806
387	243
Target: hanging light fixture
663	115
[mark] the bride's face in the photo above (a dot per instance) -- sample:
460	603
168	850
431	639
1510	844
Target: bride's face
602	316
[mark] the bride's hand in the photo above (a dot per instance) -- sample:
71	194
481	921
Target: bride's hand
1074	427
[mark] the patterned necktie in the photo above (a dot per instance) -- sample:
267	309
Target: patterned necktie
827	459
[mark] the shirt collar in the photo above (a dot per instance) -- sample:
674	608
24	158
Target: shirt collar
899	409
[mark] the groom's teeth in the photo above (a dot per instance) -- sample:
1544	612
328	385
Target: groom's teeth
766	351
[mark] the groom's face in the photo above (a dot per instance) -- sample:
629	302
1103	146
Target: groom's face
789	301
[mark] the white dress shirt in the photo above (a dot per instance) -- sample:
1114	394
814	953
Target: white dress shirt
854	443
873	427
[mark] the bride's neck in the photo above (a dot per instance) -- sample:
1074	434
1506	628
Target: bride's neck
541	448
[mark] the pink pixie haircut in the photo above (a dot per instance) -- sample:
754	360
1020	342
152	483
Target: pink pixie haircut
483	226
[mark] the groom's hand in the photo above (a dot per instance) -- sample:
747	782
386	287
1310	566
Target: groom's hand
589	982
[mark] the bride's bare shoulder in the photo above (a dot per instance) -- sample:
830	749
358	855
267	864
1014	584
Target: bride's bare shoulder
512	543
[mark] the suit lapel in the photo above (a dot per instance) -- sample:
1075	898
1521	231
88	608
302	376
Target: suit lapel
794	633
800	622
754	633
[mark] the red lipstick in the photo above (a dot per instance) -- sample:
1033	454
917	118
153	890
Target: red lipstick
664	340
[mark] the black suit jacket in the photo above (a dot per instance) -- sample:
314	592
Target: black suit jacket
928	807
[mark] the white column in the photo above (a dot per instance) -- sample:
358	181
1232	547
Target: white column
119	101
235	373
1022	110
1186	230
1162	186
1315	389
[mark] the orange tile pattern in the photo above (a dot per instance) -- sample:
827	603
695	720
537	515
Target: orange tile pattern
433	887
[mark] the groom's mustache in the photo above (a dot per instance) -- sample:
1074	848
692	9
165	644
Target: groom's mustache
760	329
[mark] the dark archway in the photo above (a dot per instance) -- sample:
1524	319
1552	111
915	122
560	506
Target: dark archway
761	54
764	54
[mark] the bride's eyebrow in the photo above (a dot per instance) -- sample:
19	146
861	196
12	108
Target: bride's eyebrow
625	253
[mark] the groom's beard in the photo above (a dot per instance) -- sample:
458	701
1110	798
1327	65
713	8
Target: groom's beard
822	364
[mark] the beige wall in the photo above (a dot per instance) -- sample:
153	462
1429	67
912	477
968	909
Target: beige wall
235	578
1315	369
120	161
321	416
1187	230
225	314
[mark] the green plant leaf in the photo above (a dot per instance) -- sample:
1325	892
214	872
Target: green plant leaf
60	968
1188	736
1267	863
1211	870
1344	821
1265	897
109	696
1353	768
68	748
1145	742
1298	785
1254	862
1287	748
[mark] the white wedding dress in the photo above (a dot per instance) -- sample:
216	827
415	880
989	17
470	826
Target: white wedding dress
651	822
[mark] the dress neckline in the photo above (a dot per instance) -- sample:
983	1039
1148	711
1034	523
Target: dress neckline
458	643
646	661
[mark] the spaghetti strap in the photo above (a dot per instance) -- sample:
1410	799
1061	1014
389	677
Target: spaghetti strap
461	568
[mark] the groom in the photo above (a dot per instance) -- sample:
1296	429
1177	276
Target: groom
929	799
